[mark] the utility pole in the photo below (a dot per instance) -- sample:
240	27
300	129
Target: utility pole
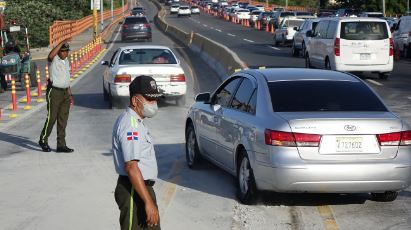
286	4
101	15
94	18
408	7
383	7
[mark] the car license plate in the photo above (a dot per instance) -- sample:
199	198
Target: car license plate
348	144
365	56
137	27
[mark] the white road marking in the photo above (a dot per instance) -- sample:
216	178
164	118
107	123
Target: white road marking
232	35
374	82
219	30
274	48
409	98
212	28
247	40
205	25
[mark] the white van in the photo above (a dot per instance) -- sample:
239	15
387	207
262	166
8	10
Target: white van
351	45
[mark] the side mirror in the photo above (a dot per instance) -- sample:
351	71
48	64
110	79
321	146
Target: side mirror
202	97
295	28
104	62
309	34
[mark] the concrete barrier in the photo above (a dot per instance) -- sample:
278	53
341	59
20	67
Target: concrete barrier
219	57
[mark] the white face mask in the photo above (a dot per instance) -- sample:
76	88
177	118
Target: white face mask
150	110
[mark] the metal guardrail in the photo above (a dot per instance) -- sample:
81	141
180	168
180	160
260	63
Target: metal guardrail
61	30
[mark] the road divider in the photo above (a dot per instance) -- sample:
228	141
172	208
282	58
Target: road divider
219	57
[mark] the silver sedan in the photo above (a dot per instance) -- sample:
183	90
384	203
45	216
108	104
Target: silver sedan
299	130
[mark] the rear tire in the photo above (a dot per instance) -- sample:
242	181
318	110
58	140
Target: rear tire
383	76
388	196
181	100
246	188
32	74
303	49
294	51
327	64
106	96
193	156
307	61
275	41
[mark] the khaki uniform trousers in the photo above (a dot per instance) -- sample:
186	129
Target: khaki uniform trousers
58	108
132	209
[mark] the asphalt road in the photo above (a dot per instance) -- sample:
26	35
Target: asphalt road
76	191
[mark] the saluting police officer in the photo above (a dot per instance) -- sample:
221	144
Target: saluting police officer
59	97
134	158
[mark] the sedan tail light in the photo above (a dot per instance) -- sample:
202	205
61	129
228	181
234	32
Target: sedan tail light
122	78
146	26
290	139
394	139
125	26
391	47
178	78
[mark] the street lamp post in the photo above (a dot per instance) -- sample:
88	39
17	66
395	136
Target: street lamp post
383	7
101	15
112	13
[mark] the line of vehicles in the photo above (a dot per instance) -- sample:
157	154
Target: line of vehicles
344	40
333	134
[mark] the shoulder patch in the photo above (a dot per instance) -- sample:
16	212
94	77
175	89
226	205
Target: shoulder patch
132	136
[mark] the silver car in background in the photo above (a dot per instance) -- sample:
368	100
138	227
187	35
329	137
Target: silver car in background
299	130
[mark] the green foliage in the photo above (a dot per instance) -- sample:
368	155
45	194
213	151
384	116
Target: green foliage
391	6
39	15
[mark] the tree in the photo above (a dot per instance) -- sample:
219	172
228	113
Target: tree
39	15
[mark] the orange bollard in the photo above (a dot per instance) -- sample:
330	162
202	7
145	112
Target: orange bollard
28	96
1	113
267	28
13	94
272	28
38	83
76	61
72	64
46	73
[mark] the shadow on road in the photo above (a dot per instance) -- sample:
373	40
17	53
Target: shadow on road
210	179
92	101
21	141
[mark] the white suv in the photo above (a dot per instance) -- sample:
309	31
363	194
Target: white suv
351	45
402	36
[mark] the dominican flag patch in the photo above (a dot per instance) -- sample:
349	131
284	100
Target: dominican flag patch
132	136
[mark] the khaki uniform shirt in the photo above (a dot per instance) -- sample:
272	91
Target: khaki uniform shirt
60	72
132	141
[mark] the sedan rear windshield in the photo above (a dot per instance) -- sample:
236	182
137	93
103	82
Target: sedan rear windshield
183	7
364	30
293	23
321	95
146	56
136	20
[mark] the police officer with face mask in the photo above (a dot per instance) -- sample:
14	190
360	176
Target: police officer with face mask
134	158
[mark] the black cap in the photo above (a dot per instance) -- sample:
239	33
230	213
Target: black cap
65	47
146	86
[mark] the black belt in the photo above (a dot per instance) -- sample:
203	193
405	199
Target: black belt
57	88
146	182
